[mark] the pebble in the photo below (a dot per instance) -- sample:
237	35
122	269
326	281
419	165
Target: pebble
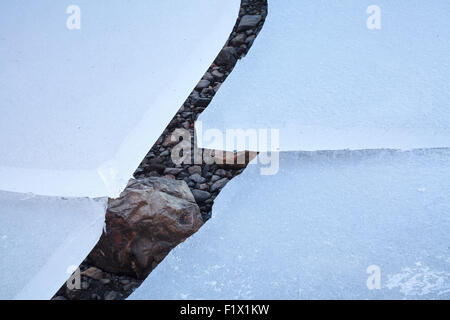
250	39
203	186
217	87
208	76
221	172
238	40
195	169
154	166
226	57
200	195
249	21
129	286
197	178
173	171
219	184
203	102
93	273
217	74
203	84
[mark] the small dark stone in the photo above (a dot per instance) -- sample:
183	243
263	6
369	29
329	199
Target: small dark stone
155	166
238	40
195	169
217	74
202	102
203	84
129	286
200	195
197	178
219	184
208	76
226	57
249	21
250	40
173	171
221	172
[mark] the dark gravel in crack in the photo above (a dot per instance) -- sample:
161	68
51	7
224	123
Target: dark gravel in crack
205	181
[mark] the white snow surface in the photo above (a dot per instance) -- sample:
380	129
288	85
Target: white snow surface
81	108
312	230
327	82
42	238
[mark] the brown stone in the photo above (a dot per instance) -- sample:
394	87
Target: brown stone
226	159
149	219
93	273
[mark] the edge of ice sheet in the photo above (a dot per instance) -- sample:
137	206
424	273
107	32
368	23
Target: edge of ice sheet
33	220
320	253
396	99
111	177
312	138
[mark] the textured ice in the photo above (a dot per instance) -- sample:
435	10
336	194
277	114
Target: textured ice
80	108
314	229
41	238
317	73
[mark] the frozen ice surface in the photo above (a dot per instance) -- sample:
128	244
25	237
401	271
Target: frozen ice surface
41	239
81	108
317	73
312	230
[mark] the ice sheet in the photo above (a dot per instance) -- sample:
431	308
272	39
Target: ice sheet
317	73
81	107
313	230
41	238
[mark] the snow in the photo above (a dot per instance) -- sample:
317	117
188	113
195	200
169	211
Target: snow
81	108
327	82
314	229
41	238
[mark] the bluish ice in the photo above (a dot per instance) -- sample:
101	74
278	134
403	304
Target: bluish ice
81	104
42	240
328	225
80	108
323	78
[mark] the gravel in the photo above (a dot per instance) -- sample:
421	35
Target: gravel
249	21
200	195
219	184
227	57
203	84
205	180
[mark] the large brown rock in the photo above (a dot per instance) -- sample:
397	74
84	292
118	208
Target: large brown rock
151	217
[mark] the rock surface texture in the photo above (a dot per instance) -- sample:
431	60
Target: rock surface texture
149	219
